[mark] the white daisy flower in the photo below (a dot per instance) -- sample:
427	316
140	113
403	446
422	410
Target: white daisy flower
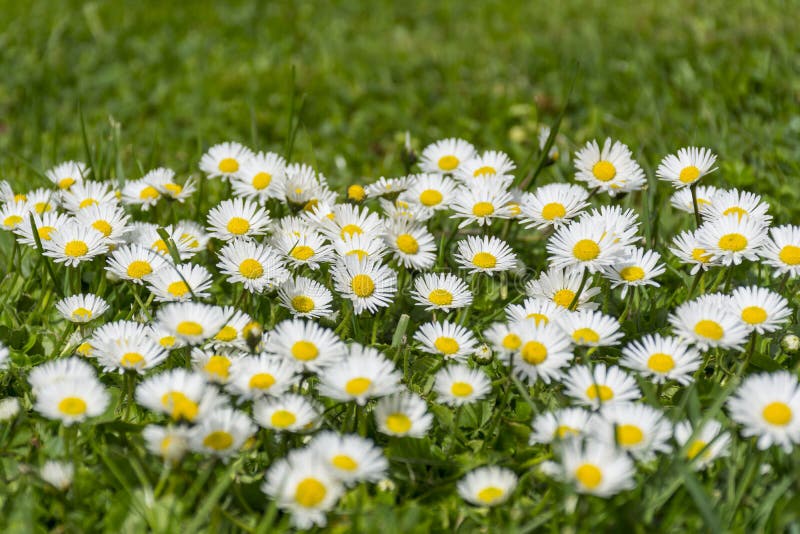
449	340
224	160
708	324
256	266
504	337
288	413
53	372
163	179
306	250
760	309
600	385
457	385
703	445
445	156
9	409
412	245
134	263
183	282
637	268
583	245
260	177
181	394
486	254
492	164
125	346
636	428
563	424
441	291
368	284
12	214
348	220
147	235
621	226
739	203
84	194
595	468
304	297
533	309
301	185
560	286
731	239
169	442
140	193
72	400
405	210
589	328
611	169
108	219
191	322
303	483
58	474
387	186
237	218
689	250
687	166
487	486
253	377
768	407
403	414
782	250
215	365
306	344
234	333
43	200
482	202
682	198
351	458
193	234
81	308
430	191
553	205
662	358
361	246
221	433
66	174
45	225
364	374
543	352
73	244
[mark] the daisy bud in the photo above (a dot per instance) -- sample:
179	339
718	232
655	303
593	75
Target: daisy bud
57	474
355	193
386	485
790	344
252	335
483	354
9	408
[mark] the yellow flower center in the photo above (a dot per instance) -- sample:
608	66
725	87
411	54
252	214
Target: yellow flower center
238	226
790	255
189	328
228	333
358	252
485	170
12	220
251	269
553	210
737	210
42	207
174	189
219	440
604	171
589	475
461	389
777	413
709	329
534	352
302	304
585	335
218	366
180	406
586	250
754	315
228	165
603	392
484	260
356	192
261	381
440	297
632	273
660	362
301	252
44	232
282	419
66	183
407	244
72	406
695	448
178	289
84	349
103	227
629	435
446	345
399	423
733	242
160	246
149	193
305	351
362	285
310	492
482	209
564	297
700	255
357	386
490	494
167	341
538	318
76	249
565	430
448	163
82	314
511	341
138	269
689	174
86	202
261	180
350	230
344	462
130	360
430	197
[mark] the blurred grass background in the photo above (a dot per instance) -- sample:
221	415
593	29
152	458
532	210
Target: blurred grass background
180	76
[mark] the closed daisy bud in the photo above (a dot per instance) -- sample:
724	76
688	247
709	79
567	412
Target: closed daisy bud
600	385
9	409
449	340
66	174
483	354
221	433
687	166
487	486
351	458
403	414
458	384
790	344
58	474
224	160
702	445
445	156
288	413
564	424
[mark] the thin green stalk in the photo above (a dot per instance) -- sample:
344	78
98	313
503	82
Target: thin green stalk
697	220
574	303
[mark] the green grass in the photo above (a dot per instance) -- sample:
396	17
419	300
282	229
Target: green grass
158	83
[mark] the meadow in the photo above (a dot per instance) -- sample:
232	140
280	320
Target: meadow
359	93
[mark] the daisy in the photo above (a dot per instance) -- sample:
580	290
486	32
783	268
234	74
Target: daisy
589	328
256	266
215	365
65	174
635	428
141	193
163	179
305	485
306	250
686	167
169	442
9	409
449	340
108	219
481	202
760	309
174	283
288	413
583	245
44	224
533	309
73	244
504	337
543	351
553	205
368	284
181	394
441	291
430	191
661	358
232	334
412	245
768	407
361	246
260	177
237	218
560	286
351	458
134	263
600	385
348	220
84	194
637	268
364	374
403	414
4	356
125	346
739	203
403	210
731	239
595	468
544	134
457	385
563	424
12	214
165	339
487	254
621	225
707	324
72	400
253	377
42	200
306	344
58	474
193	235
445	156
387	186
356	193
304	297
782	250
224	160
64	370
148	236
611	169
689	250
682	198
191	322
301	186
702	445
487	486
221	433
491	164
81	308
